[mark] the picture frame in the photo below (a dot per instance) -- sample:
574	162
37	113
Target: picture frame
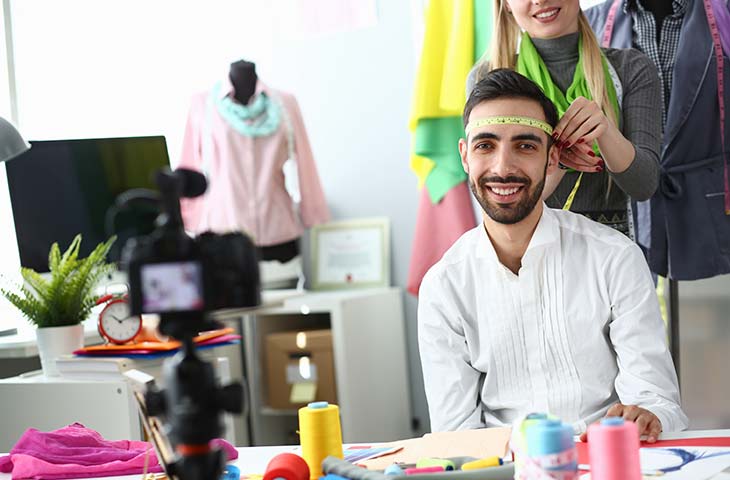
351	254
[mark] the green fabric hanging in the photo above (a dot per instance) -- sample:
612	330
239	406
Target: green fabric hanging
531	65
438	140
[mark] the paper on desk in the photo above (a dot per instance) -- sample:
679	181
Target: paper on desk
703	462
484	442
708	462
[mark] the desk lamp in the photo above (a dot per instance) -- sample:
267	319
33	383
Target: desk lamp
11	143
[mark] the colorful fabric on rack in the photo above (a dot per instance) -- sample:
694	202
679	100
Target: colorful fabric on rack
438	226
456	35
446	58
79	452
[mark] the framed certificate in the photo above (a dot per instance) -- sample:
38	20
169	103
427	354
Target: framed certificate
351	254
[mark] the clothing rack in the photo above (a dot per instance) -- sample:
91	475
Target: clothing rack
674	325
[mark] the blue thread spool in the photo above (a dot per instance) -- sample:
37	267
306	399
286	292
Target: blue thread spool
552	437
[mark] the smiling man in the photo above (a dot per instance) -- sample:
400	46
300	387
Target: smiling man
538	309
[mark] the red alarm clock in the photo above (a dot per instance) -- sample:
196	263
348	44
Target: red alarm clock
116	325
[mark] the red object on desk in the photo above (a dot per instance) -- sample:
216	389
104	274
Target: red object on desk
583	456
287	466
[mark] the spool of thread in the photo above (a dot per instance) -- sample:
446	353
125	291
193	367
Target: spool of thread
518	441
231	472
447	465
613	445
551	450
320	435
482	463
287	466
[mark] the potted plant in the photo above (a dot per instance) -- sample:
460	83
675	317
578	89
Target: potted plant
57	305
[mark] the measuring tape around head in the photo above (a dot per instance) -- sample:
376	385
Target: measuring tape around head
720	67
509	120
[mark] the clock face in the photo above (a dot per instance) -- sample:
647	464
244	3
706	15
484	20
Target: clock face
116	324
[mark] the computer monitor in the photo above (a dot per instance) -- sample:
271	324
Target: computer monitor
60	188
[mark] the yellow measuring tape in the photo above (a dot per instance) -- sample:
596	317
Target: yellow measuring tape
571	197
511	120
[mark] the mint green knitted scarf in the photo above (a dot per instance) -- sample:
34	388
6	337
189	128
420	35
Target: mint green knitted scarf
260	119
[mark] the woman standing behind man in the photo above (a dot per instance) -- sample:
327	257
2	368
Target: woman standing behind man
609	102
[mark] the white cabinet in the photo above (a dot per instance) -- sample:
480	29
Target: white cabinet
32	400
369	349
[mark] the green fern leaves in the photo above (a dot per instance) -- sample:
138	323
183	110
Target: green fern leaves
68	296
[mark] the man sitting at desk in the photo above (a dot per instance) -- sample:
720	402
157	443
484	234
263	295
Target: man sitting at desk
538	309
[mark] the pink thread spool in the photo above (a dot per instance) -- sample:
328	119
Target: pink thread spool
613	446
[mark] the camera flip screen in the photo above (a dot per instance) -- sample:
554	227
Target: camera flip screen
172	287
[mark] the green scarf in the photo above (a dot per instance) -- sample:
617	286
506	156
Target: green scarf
531	65
259	119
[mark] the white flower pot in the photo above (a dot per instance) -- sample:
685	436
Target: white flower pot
56	341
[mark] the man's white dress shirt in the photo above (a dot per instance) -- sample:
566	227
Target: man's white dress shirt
577	330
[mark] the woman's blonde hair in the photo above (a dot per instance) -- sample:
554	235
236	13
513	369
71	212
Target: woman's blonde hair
503	54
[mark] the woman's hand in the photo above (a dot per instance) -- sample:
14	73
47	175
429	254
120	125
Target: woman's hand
583	122
581	158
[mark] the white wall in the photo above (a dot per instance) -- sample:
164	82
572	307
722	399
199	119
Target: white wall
89	68
128	67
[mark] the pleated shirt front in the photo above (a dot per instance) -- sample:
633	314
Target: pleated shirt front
577	330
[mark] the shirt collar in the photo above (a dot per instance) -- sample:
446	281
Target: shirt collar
678	6
227	88
546	232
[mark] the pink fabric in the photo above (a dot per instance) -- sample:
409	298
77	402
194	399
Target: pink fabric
438	226
79	452
247	190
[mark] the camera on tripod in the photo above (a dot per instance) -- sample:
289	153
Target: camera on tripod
183	279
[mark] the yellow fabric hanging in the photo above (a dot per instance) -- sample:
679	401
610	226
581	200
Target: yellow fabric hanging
421	166
446	58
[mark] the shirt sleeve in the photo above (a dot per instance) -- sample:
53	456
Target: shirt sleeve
646	375
452	384
313	206
642	125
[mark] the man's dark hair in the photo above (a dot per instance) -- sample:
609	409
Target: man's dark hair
504	83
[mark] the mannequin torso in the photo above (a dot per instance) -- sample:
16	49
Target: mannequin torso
243	78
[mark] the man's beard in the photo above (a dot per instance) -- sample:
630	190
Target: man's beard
513	213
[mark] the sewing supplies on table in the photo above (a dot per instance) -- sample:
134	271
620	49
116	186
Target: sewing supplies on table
320	435
287	466
614	450
543	448
436	462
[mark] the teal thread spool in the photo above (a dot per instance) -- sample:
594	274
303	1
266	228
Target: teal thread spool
550	443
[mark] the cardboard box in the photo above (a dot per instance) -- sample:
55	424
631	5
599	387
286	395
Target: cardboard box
299	368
